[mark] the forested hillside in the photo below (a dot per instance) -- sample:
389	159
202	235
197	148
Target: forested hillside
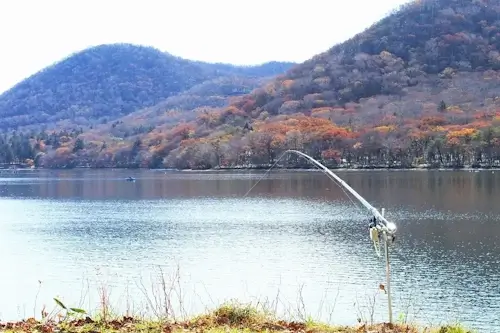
422	86
106	82
419	87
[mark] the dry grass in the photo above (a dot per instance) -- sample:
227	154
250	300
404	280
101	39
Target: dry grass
227	318
165	302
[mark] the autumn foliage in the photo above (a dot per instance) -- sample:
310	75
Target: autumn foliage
420	87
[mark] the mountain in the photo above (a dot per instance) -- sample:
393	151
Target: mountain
426	43
105	82
210	94
419	87
271	68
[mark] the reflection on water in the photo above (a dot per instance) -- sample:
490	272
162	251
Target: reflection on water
81	229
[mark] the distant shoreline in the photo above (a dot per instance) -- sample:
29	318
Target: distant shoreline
417	168
266	168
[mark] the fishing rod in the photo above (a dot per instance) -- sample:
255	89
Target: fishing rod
380	222
379	226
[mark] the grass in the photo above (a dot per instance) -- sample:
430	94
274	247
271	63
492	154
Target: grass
165	296
228	318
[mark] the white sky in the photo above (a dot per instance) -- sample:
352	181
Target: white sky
37	33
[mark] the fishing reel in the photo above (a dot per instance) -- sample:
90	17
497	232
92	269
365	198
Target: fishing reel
381	230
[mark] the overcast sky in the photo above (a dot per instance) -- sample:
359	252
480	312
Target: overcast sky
35	33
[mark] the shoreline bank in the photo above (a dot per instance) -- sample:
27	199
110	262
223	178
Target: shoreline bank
231	318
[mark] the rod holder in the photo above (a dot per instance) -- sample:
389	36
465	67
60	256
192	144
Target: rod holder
387	271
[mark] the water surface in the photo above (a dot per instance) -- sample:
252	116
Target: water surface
296	242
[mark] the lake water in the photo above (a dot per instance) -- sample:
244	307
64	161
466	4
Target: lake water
295	242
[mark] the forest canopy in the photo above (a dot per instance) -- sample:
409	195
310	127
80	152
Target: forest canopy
419	87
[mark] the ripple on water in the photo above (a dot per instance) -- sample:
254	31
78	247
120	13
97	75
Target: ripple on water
445	262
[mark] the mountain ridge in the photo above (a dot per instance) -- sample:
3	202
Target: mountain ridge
108	81
419	86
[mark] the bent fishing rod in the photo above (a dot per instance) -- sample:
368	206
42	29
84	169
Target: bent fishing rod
379	226
379	222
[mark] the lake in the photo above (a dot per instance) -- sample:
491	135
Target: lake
296	243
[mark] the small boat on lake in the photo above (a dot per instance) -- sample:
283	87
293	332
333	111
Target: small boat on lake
130	179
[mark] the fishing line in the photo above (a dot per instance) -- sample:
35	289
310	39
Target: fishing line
374	232
326	174
266	173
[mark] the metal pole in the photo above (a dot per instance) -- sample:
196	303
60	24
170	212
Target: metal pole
388	272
